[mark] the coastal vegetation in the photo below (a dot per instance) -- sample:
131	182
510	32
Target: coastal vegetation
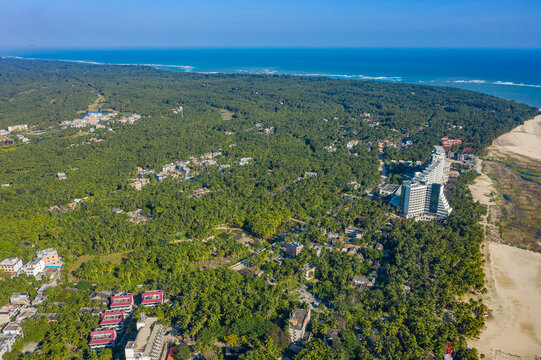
293	187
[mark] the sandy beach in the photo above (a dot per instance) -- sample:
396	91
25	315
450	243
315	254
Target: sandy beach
514	296
513	276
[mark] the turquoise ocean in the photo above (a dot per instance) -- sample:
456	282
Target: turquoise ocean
509	74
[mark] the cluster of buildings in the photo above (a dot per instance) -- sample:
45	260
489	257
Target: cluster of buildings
447	142
71	206
422	197
45	259
113	323
176	169
5	134
93	118
12	316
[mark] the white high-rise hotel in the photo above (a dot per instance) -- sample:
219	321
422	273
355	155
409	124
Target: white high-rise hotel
423	197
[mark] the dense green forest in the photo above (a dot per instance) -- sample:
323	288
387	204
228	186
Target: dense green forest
292	177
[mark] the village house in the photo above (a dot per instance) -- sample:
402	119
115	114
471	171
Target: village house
298	321
293	248
20	299
309	271
6	344
354	232
50	258
61	176
13	329
34	267
11	265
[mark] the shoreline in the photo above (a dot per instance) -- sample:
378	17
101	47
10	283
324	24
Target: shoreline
512	275
514	89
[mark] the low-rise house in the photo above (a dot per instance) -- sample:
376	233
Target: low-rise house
309	271
50	258
61	176
20	299
122	302
140	183
293	248
244	161
101	338
6	344
102	296
11	265
298	321
26	313
34	267
5	317
112	319
13	328
354	232
388	189
39	299
363	281
152	298
148	344
90	310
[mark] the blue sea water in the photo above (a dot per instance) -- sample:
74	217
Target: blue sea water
510	74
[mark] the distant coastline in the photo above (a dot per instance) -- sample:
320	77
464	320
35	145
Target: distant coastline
509	74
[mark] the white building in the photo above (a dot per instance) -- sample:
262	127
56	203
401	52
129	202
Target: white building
6	344
34	267
11	265
423	197
13	329
148	344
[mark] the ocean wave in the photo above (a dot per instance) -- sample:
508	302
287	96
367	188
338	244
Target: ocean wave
510	83
470	81
354	76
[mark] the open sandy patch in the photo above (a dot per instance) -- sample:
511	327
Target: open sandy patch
524	140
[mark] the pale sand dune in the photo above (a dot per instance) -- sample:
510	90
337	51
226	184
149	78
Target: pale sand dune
514	295
524	140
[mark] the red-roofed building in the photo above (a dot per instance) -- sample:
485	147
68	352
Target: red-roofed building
152	298
467	149
446	142
122	302
101	338
112	319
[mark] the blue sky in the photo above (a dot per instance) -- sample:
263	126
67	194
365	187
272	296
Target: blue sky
277	23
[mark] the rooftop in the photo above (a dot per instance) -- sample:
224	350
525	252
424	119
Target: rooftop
10	262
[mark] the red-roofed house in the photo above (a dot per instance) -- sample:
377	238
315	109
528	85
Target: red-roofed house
122	302
446	142
101	338
467	149
152	298
112	319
